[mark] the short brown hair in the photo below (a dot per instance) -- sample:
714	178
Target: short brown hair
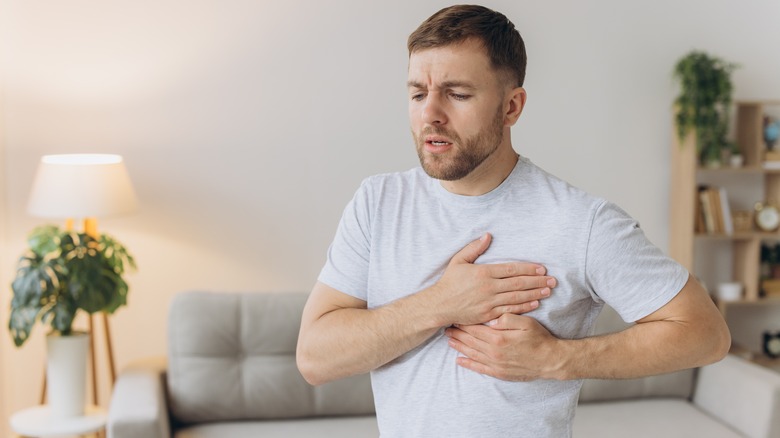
454	24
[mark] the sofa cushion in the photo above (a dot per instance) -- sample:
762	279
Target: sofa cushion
231	356
668	418
679	384
336	427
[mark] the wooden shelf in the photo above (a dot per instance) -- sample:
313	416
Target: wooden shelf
754	169
686	175
759	235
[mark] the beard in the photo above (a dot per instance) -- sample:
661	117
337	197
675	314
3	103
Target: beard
465	156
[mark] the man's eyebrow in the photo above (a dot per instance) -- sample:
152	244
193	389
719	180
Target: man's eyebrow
444	85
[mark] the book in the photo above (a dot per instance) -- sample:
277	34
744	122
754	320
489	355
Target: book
707	211
713	212
728	224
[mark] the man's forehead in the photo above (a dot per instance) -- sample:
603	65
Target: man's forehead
464	63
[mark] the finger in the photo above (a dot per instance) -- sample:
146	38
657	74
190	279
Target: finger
524	283
517	309
476	336
510	321
515	269
468	346
473	250
517	297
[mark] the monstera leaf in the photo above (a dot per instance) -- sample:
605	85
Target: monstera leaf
63	272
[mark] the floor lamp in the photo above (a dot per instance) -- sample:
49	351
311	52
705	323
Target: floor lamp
83	187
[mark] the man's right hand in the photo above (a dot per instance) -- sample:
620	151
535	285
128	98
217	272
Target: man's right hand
473	294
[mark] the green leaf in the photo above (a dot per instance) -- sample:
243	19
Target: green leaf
21	323
45	240
704	101
63	272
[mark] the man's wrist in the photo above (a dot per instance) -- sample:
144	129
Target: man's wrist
561	357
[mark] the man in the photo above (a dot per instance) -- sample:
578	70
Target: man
489	337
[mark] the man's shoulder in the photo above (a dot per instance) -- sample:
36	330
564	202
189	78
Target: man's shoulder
555	189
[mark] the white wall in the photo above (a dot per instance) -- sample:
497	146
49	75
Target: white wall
4	261
247	125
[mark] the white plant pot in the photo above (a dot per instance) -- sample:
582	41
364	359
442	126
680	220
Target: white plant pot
66	374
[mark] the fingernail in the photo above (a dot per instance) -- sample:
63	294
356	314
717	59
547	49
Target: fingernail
546	292
492	322
540	270
551	282
483	238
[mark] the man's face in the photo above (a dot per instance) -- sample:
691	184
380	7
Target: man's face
456	108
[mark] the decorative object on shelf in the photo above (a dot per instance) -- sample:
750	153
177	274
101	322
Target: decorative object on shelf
704	103
736	161
730	291
64	271
772	344
743	221
771	132
767	217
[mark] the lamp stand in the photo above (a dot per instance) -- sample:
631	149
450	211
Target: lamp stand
90	227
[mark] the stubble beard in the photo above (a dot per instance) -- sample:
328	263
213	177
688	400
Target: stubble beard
465	156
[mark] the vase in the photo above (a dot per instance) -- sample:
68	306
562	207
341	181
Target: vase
66	374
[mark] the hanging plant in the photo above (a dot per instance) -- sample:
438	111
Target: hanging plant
704	103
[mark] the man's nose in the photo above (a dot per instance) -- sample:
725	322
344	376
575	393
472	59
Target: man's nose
433	112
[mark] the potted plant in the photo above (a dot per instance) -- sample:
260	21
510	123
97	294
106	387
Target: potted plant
61	273
704	104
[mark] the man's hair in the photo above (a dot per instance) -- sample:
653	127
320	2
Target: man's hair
455	24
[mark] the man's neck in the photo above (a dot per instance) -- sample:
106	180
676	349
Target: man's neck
487	176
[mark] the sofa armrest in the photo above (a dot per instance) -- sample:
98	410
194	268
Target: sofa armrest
742	395
138	404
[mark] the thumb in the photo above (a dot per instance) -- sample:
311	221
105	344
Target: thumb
473	250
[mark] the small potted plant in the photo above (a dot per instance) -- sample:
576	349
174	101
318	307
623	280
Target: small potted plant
736	159
704	103
61	273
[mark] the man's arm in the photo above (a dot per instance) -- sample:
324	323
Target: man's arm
687	332
340	337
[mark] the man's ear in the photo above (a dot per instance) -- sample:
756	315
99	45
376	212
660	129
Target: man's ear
515	102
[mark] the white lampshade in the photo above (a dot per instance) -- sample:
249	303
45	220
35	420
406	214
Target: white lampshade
81	186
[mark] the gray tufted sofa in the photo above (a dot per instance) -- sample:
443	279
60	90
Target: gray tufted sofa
231	372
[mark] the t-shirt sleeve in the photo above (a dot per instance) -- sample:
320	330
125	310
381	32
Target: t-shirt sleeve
625	270
346	267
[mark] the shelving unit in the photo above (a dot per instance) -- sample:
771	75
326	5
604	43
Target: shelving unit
686	176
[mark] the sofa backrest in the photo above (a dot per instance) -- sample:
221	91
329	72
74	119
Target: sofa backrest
679	384
231	356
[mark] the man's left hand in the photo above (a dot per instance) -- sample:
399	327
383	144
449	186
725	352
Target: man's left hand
512	347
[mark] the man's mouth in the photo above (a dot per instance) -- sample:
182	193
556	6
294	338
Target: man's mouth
437	140
437	145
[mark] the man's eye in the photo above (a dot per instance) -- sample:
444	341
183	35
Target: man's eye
417	97
458	96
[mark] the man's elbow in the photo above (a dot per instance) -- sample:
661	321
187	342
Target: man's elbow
309	369
719	344
723	343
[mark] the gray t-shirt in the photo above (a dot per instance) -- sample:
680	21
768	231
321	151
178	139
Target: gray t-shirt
396	238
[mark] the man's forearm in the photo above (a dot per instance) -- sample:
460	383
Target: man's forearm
349	341
642	350
665	341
